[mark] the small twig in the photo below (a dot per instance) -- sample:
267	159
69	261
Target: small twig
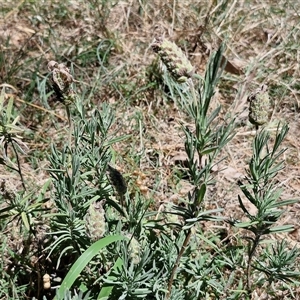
39	107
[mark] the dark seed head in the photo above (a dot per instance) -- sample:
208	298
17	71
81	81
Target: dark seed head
117	180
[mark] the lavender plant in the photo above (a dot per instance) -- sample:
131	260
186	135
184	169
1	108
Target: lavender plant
261	189
203	144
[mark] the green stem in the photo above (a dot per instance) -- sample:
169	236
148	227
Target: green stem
70	125
19	166
182	250
250	258
192	88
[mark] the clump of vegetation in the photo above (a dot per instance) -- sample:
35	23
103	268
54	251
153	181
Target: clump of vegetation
128	178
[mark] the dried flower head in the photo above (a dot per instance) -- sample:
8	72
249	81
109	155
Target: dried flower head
46	281
174	59
61	81
117	180
259	106
52	65
95	220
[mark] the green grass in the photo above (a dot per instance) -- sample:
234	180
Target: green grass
203	200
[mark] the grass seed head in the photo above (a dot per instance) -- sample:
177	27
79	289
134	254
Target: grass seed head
174	59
